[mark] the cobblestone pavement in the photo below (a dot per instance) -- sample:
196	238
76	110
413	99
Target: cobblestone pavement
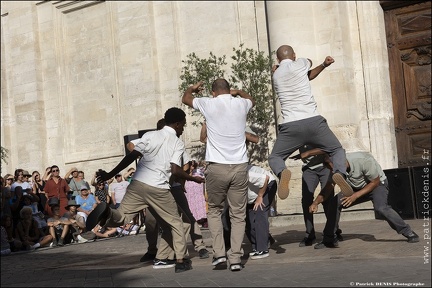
372	254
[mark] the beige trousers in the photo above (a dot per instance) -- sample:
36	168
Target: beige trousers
227	182
162	205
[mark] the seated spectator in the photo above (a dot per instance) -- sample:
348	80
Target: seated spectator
38	216
77	221
86	201
6	224
29	233
59	228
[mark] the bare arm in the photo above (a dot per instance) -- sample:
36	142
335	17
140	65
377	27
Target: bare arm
324	194
203	133
251	137
347	201
188	97
312	74
69	173
179	172
259	200
46	174
242	94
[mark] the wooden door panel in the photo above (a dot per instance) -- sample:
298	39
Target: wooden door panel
408	31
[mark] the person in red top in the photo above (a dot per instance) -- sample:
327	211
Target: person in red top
57	187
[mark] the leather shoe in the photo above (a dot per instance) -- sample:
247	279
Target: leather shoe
412	237
323	244
307	241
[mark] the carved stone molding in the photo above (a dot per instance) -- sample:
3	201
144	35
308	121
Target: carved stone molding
70	6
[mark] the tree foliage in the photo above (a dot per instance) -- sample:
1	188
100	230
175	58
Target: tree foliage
250	70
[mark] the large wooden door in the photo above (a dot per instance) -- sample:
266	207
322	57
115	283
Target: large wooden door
408	30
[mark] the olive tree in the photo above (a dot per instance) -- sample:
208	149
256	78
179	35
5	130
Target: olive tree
250	70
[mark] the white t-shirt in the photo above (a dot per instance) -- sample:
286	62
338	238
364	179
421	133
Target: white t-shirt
23	185
257	177
159	148
226	123
293	88
119	189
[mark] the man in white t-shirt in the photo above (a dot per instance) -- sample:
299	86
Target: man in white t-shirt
227	161
302	123
118	190
160	154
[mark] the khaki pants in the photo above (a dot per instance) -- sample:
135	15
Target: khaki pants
162	205
227	182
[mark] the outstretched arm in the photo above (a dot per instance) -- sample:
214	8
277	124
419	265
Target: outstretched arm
312	74
125	162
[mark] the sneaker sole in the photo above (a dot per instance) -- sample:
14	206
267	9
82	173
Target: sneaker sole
163	266
260	256
283	190
236	267
343	185
219	261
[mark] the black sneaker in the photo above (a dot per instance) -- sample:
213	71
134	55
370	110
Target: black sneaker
252	252
307	241
339	235
260	255
98	216
203	253
148	257
412	237
184	266
163	263
219	260
323	244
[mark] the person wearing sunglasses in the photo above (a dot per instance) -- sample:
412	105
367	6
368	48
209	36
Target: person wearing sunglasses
56	187
8	180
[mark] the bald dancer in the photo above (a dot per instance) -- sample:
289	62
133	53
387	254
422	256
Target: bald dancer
302	124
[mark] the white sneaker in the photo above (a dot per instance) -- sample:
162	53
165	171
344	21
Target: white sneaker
259	255
81	239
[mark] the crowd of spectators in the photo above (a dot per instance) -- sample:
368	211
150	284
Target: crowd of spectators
51	211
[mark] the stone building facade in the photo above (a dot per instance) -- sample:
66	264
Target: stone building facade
76	76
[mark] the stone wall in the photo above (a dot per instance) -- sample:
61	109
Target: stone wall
76	76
